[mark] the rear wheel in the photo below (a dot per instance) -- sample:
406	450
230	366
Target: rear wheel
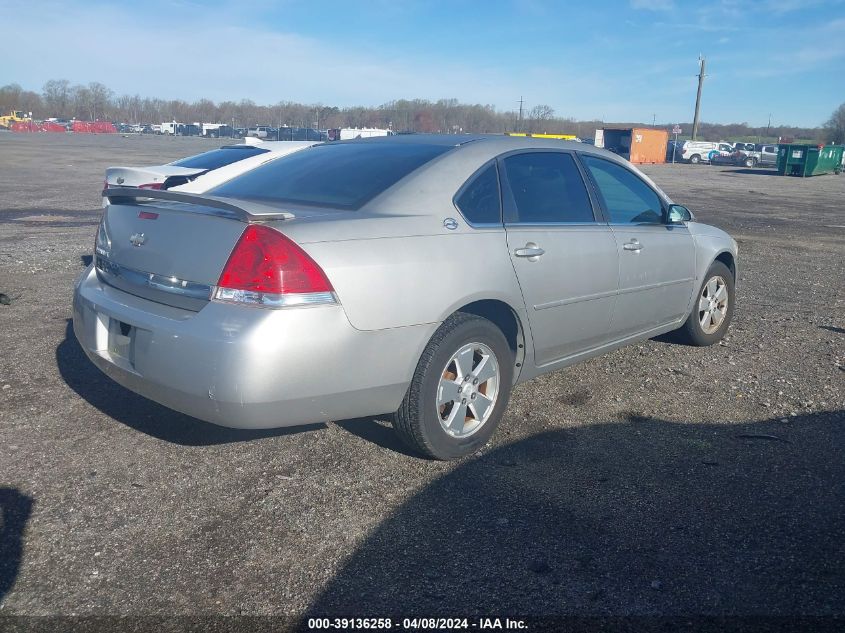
712	308
695	159
459	391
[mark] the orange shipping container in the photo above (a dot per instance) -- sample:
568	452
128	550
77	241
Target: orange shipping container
639	145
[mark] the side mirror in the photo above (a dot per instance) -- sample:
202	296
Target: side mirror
678	214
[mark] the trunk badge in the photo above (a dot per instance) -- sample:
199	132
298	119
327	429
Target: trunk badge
138	239
120	180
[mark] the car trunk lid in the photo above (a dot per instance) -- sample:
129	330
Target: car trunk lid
171	249
150	176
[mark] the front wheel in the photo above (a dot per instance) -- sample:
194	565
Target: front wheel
712	308
459	391
750	162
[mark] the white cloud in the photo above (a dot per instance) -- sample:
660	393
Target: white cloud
191	53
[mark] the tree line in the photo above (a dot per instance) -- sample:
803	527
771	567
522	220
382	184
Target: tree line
95	101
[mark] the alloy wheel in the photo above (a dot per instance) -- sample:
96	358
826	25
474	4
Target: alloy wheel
713	304
467	391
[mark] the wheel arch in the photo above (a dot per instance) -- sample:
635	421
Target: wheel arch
727	258
508	320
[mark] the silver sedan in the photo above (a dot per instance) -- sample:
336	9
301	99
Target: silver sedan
422	276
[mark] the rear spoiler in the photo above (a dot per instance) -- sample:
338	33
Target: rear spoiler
131	195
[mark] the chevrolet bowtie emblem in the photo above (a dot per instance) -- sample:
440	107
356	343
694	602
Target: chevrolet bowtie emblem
138	239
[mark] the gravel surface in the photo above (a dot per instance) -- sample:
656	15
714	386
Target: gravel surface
657	480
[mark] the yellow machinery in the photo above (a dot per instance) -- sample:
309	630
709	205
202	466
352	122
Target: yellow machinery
562	137
14	116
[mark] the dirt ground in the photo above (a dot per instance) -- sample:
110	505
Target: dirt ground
657	481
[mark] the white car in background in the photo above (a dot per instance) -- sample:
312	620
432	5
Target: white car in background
702	151
197	174
260	131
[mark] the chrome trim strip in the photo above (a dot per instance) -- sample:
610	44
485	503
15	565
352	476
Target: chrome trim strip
270	300
523	225
610	293
653	286
143	279
564	302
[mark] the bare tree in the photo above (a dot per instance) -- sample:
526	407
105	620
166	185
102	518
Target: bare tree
834	129
82	103
413	115
541	119
57	98
100	100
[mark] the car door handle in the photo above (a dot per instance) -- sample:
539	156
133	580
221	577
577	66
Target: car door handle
530	250
633	245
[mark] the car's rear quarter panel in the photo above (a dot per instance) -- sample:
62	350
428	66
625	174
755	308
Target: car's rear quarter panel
397	282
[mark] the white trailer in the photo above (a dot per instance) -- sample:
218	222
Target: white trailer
348	133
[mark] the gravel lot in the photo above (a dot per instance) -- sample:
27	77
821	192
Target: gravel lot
659	480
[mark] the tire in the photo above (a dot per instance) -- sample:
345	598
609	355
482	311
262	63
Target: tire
750	162
695	159
425	412
692	332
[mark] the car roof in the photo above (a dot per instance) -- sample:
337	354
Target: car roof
443	176
495	143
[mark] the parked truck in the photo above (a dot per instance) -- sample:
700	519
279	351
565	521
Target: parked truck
759	155
702	151
14	116
346	133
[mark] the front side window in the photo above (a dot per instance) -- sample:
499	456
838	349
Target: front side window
626	197
479	202
547	187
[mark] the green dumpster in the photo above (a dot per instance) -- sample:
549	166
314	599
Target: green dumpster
809	160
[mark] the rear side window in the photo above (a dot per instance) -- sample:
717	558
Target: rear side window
342	175
217	158
480	202
626	197
547	187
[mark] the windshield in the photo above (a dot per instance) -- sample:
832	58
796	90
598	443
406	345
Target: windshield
217	158
344	175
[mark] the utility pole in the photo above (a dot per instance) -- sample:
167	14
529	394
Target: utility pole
653	120
768	126
701	76
519	123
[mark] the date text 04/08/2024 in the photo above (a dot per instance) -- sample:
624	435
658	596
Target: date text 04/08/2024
411	624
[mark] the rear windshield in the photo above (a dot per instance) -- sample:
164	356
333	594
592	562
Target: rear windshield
217	158
344	175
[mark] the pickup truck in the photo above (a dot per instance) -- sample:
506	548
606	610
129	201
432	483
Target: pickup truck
761	156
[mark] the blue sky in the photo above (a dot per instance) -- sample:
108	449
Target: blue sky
614	60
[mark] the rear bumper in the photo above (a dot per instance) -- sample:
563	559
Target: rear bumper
246	367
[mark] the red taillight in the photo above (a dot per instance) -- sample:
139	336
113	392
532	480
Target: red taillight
265	266
152	185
